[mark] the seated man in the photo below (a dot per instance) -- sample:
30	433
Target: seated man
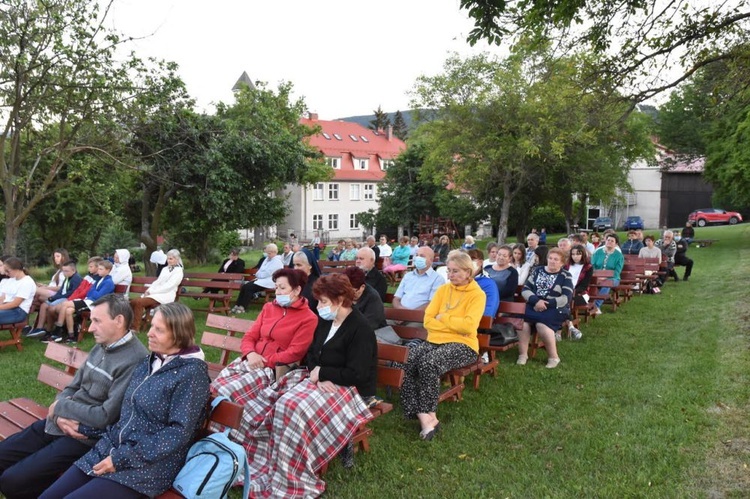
688	233
102	287
30	461
418	286
335	254
632	246
366	261
272	262
680	256
668	248
69	285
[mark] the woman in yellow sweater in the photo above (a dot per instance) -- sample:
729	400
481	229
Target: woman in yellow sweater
451	320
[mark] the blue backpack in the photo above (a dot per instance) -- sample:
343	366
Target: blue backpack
212	466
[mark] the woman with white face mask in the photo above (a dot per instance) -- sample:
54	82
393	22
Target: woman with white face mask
314	415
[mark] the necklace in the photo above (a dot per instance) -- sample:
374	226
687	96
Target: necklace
448	305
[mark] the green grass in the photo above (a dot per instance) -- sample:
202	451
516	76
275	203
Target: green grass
653	402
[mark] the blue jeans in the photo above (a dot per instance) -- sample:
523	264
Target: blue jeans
605	291
12	316
76	484
31	460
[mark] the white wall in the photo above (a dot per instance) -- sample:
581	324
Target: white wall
646	183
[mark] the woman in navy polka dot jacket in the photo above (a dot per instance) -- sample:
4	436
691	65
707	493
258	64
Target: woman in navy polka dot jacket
163	409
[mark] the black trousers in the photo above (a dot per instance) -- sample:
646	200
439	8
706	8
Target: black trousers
31	461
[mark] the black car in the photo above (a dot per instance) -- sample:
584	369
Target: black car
602	223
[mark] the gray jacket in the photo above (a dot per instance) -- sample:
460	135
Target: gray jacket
94	397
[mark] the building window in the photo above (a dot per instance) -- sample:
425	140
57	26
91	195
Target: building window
364	139
334	163
333	192
369	192
385	164
361	164
333	221
353	137
354	192
353	222
318	192
337	136
328	137
317	222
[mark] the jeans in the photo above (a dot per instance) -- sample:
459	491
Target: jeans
605	291
12	316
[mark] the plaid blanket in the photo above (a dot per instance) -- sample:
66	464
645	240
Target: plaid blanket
290	428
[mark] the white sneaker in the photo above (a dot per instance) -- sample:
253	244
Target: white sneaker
485	358
522	360
552	363
575	333
558	336
597	311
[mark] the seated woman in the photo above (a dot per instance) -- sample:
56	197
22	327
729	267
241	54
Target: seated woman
608	258
300	423
488	285
503	273
468	244
399	257
451	320
163	409
581	272
366	299
162	290
519	262
442	248
350	251
649	250
17	292
280	336
59	257
491	254
305	261
548	293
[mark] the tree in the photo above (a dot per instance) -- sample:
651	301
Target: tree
640	42
400	129
381	120
523	125
728	159
61	92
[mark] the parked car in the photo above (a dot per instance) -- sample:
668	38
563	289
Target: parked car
706	216
602	224
634	222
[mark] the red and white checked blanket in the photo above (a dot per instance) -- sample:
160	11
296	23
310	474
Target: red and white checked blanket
290	428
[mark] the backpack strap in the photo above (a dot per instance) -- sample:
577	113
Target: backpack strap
218	400
246	477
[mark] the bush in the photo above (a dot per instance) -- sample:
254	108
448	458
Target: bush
549	217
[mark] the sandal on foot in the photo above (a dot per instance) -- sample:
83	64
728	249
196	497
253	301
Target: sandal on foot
522	360
429	434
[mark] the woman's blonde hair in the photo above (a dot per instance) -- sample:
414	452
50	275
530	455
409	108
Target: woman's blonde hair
462	260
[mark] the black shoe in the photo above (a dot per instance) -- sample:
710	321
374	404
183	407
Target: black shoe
347	456
685	278
71	340
47	338
25	331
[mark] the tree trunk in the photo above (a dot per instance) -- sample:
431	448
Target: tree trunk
11	235
258	238
502	226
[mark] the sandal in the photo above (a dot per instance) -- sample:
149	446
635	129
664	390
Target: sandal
429	434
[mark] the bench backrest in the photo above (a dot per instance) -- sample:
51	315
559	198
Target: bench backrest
387	374
71	358
229	341
139	283
511	313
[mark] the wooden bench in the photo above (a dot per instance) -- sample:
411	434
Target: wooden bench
328	267
15	331
507	313
216	287
704	243
229	342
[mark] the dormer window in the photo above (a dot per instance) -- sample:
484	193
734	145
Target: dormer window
334	163
327	137
364	139
353	137
385	164
337	136
361	164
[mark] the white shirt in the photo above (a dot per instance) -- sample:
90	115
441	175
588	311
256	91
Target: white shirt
385	250
24	287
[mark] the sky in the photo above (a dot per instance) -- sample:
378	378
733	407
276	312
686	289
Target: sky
344	57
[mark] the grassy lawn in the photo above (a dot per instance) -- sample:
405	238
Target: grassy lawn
653	402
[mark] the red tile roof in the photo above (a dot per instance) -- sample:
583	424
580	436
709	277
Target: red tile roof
377	147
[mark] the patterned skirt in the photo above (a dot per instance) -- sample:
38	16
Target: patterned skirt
290	428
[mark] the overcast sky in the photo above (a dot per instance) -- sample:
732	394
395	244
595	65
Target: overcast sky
345	57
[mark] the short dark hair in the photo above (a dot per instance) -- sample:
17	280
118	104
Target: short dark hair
295	277
356	276
612	235
649	237
117	305
69	263
334	287
476	254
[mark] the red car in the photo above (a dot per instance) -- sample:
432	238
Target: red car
701	218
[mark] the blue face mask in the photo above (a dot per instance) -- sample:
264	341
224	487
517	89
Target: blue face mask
265	255
420	262
326	313
283	300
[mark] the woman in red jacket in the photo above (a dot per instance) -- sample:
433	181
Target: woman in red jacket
279	337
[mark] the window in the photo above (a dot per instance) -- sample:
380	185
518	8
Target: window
353	137
333	221
337	136
353	222
334	163
369	191
354	192
333	191
361	164
328	137
364	139
318	192
385	164
317	222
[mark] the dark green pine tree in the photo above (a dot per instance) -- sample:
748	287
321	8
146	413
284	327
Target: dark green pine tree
381	120
399	126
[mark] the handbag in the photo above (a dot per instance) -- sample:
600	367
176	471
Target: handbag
502	334
387	335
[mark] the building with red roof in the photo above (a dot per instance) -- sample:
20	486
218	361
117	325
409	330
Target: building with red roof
359	158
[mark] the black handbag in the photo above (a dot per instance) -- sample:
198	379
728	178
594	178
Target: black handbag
502	334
